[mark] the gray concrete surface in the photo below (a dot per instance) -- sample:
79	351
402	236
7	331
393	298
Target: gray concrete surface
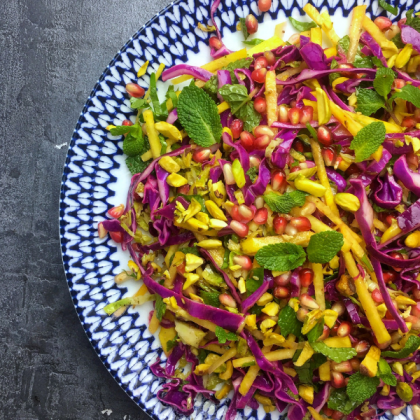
51	54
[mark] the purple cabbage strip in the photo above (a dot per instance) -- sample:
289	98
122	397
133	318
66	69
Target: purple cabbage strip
251	300
223	78
226	118
222	51
376	167
403	75
295	283
350	85
321	397
409	178
304	40
314	56
387	193
410	36
186	69
376	49
280	155
243	154
286	54
337	100
337	179
352	311
258	188
163	186
215	174
112	225
250	85
394	150
172	116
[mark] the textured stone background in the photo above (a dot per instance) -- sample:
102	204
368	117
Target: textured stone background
51	54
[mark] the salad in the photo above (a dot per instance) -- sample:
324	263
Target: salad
273	217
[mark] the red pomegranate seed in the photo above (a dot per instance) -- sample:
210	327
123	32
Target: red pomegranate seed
325	334
339	307
417	114
200	155
389	219
306	277
134	90
329	156
278	181
301	314
181	268
260	63
116	212
283	114
412	161
343	367
283	279
262	130
295	169
247	140
410	107
246	214
236	127
398	84
262	142
239	228
333	331
295	115
116	236
383	23
344	329
259	75
270	57
234	212
260	105
377	296
185	189
415	310
251	24
402	22
308	302
397	256
264	5
355	364
261	216
281	292
307	114
362	347
415	321
215	43
298	146
301	224
228	174
325	136
353	169
344	73
416	294
408	122
279	224
337	380
127	123
227	300
244	261
327	411
254	161
337	415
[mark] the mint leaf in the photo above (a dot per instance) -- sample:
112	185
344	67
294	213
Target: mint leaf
385	373
252	173
255	280
119	130
223	335
339	400
134	141
316	331
410	93
243	28
339	355
391	9
368	140
360	388
383	81
333	76
281	257
190	250
210	298
160	111
414	22
324	246
235	95
398	41
249	116
139	103
302	26
306	371
368	101
288	322
253	42
135	164
412	344
170	94
284	203
197	113
172	343
378	63
360	59
160	307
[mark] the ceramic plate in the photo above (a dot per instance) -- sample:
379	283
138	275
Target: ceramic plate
96	178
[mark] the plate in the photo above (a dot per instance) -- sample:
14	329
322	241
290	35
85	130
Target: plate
96	178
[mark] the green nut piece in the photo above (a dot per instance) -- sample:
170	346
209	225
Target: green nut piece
309	186
346	201
405	392
311	320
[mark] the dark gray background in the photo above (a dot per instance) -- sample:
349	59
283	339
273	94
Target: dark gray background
52	52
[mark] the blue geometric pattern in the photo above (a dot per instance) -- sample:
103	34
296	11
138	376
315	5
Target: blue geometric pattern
125	345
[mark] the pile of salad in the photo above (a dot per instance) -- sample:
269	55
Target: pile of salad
273	218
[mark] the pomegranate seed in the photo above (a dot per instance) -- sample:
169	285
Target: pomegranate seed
247	140
227	300
295	169
283	114
301	314
270	57
377	296
234	212
412	161
383	23
398	84
281	292
236	127
259	75
262	142
290	230
382	346
283	279
260	105
333	331
301	224
102	232
325	136
336	415
264	5
344	329
185	189
245	213
337	380
294	39
327	411
343	367
416	294
260	63
251	24
353	169
134	90
306	277
307	114
116	236
308	302
263	130
415	321
116	212
278	181
362	347
346	73
417	114
295	115
339	308
408	122
402	22
215	43
244	261
228	174
261	216
397	256
389	219
293	103
181	268
325	334
279	224
254	161
415	310
127	123
239	228
298	146
200	155
410	107
355	364
259	202
329	156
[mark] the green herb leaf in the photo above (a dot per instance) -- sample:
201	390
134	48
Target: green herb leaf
249	116
339	400
333	76
223	335
385	373
139	103
170	94
324	246
243	28
412	344
302	26
235	95
159	110
190	250
360	59
284	203
198	114
160	307
414	22
254	280
360	388
202	354
368	140
383	81
281	257
368	101
134	141
253	42
306	371
378	63
172	343
210	298
288	322
252	173
337	354
316	331
398	41
409	93
135	165
391	9
249	364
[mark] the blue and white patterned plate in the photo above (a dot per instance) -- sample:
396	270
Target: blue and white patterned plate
96	178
